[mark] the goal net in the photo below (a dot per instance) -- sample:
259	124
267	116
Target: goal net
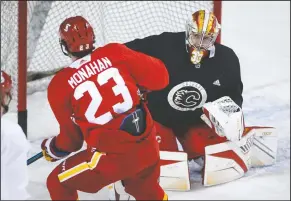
112	21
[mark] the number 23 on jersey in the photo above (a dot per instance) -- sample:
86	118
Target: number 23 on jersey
92	89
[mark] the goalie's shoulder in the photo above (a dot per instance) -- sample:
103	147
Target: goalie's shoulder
224	50
157	39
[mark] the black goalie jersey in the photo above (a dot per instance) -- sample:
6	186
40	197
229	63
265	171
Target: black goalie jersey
178	106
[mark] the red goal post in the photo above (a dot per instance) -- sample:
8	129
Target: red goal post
29	40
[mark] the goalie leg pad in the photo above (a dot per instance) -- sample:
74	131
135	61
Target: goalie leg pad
265	143
174	174
228	161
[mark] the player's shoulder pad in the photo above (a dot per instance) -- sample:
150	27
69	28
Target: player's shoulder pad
115	46
60	77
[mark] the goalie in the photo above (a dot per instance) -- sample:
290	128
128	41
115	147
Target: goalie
201	106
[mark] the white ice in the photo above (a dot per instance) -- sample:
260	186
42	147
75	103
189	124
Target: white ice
259	32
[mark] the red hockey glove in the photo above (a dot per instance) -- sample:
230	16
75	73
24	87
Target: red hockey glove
51	152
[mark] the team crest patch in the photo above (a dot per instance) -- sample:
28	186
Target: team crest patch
187	96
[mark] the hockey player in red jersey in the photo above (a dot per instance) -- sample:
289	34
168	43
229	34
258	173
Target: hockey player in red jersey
96	99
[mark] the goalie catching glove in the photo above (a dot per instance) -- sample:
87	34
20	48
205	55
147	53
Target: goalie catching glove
225	118
51	152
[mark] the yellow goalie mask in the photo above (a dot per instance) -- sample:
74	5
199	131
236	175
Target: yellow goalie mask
201	32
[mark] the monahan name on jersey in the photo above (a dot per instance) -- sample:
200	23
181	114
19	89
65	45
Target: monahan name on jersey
88	70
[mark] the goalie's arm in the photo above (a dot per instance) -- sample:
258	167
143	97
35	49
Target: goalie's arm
232	86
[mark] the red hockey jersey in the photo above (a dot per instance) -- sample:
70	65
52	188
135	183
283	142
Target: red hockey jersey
91	97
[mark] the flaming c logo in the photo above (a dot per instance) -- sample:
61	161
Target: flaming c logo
187	96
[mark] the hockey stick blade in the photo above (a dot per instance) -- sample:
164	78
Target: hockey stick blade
34	158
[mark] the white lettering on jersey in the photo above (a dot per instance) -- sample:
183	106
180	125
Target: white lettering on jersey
86	71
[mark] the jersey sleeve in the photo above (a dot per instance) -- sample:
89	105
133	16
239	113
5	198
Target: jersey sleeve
70	138
149	72
233	85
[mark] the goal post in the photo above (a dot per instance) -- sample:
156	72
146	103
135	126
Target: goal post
29	34
217	9
22	65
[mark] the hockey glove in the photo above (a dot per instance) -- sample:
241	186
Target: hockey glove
51	152
225	117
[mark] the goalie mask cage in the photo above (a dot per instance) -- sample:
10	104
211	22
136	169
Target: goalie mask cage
30	41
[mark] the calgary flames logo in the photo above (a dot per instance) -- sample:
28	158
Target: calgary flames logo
187	96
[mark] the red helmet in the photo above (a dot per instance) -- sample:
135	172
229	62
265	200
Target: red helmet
6	86
76	35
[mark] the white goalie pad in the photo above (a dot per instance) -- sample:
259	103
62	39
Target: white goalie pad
265	144
174	174
223	164
229	161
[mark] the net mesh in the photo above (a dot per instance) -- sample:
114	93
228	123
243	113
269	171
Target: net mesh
113	21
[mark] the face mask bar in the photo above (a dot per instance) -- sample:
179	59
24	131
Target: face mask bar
199	40
197	43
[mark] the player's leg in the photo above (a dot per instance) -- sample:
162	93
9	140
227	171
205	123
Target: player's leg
75	173
145	184
88	171
166	138
197	138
